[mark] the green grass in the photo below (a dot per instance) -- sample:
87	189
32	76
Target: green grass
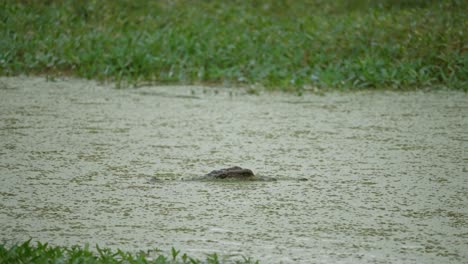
279	44
43	253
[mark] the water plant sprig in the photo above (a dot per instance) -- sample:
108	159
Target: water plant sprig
28	252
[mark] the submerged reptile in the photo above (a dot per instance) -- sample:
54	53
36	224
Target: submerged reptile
231	174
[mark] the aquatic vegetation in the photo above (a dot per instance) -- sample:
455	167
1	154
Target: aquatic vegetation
290	45
44	253
373	160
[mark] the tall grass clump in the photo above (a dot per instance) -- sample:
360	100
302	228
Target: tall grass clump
44	253
289	44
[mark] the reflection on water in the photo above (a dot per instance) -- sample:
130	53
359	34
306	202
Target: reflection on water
387	171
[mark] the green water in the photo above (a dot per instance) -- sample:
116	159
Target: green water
387	174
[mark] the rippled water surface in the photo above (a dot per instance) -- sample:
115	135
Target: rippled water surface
387	172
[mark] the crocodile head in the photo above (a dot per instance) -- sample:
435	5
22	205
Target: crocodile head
232	173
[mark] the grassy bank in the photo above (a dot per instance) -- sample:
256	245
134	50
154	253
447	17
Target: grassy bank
43	253
288	44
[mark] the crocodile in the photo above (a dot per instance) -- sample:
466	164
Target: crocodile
235	173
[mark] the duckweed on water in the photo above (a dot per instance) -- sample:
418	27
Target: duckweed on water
44	253
279	44
373	160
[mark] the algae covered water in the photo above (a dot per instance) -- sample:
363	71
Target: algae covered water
387	174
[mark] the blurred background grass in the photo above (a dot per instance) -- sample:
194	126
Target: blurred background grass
279	44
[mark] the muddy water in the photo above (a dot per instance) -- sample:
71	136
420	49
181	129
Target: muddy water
388	175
